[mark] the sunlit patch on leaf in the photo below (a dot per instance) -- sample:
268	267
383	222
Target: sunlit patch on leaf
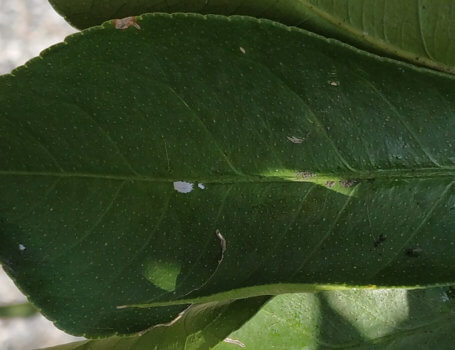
162	274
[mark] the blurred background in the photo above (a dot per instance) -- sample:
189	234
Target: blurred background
26	28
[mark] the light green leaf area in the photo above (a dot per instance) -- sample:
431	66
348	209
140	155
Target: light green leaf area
199	327
393	319
17	310
418	31
207	158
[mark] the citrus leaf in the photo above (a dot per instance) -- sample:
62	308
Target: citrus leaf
415	31
393	319
200	327
206	158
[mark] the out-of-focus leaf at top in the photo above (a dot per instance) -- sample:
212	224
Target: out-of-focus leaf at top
418	31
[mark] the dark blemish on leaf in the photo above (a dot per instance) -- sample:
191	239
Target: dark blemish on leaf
348	183
125	23
451	292
381	239
413	252
330	183
305	174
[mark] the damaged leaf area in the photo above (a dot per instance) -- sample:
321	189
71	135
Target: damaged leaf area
125	23
165	167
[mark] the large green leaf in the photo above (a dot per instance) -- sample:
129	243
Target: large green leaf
314	165
419	31
200	327
393	319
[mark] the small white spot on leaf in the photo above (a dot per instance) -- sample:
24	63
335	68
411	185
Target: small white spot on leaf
334	83
183	187
201	186
242	50
235	342
21	247
294	139
223	244
124	23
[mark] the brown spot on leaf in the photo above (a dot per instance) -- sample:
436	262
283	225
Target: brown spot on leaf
305	174
348	183
330	183
125	23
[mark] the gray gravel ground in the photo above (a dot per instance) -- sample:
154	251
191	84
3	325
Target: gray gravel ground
26	28
26	333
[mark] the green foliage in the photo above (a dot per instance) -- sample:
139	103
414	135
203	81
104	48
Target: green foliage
416	31
201	326
197	160
356	319
17	310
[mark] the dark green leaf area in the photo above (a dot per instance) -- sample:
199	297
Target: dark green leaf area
395	319
87	13
131	159
414	31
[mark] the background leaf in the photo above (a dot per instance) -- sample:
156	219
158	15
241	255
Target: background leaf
128	157
355	319
419	31
200	327
17	310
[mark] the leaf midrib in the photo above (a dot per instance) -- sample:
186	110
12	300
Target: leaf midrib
387	174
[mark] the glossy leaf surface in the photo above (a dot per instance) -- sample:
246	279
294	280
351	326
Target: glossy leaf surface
416	31
200	159
393	319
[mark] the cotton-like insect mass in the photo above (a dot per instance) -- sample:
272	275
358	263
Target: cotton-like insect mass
183	187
